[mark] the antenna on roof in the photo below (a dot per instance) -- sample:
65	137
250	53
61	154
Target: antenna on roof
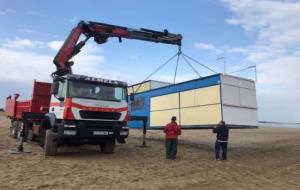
224	62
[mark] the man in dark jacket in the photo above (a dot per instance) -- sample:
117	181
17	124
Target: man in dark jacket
172	130
222	140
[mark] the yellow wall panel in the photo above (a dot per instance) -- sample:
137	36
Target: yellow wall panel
200	96
161	118
201	115
208	95
141	88
169	101
187	98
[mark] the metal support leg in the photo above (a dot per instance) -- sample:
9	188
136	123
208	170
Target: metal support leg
20	148
144	134
144	119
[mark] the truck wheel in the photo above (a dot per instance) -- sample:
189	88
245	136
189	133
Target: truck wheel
42	136
50	147
108	146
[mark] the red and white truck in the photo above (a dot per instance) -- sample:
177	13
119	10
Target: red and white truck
80	110
77	109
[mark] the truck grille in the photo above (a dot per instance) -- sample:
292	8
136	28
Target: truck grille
116	125
99	115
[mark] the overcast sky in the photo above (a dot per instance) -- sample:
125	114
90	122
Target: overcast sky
247	32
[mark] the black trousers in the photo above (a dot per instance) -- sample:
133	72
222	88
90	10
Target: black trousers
218	147
171	148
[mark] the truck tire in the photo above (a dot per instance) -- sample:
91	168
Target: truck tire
45	124
108	146
42	136
50	147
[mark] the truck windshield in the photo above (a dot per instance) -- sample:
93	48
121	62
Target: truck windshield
97	91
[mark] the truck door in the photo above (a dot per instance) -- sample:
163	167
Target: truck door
57	100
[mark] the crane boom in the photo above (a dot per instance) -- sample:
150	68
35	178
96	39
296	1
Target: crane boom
101	32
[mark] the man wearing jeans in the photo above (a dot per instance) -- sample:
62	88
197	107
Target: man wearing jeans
172	130
222	140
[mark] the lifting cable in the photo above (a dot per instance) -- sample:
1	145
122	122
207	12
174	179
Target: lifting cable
178	56
164	64
199	63
185	58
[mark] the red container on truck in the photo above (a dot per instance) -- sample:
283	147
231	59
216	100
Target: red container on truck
38	105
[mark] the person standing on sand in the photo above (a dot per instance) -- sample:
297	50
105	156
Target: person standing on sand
172	130
222	140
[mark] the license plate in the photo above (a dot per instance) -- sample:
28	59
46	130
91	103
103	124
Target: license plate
123	133
100	132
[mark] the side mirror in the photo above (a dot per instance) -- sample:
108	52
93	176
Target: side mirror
54	87
60	98
131	96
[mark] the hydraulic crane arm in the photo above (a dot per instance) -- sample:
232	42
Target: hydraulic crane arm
101	32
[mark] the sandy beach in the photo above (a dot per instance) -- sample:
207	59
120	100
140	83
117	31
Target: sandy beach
264	158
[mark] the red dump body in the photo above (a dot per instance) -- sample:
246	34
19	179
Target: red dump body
39	102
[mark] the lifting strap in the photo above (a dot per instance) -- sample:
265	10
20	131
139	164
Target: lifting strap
185	57
160	67
199	63
178	56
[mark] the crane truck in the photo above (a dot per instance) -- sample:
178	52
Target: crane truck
76	109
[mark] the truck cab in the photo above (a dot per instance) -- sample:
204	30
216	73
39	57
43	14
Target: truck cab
86	110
